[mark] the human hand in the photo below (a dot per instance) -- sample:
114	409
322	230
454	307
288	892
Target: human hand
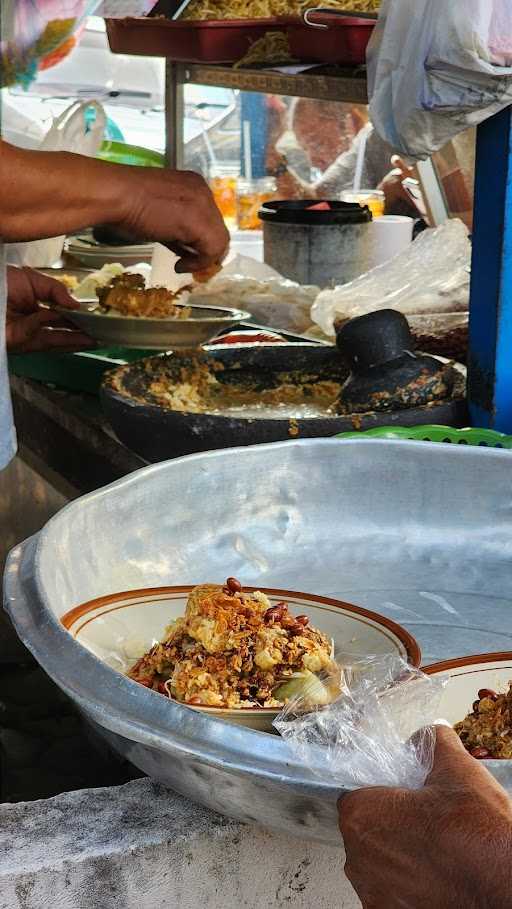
448	845
176	208
397	197
31	328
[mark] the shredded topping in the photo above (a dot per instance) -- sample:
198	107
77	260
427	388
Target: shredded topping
233	649
487	731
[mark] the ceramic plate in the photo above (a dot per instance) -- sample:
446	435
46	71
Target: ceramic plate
95	255
119	629
466	676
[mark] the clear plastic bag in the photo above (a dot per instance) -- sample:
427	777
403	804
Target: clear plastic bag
431	276
379	732
438	68
271	299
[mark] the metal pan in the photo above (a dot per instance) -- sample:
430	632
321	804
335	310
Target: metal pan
154	334
157	433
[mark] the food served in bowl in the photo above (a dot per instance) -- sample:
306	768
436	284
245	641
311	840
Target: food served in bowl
477	701
236	650
486	732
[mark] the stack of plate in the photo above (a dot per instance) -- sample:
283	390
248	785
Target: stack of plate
94	255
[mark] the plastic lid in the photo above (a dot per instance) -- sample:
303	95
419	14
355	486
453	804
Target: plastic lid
307	211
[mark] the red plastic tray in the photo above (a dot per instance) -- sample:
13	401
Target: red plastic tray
212	41
343	42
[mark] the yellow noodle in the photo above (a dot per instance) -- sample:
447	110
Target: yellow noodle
263	9
272	48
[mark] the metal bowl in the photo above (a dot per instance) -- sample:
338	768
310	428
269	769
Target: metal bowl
154	334
417	532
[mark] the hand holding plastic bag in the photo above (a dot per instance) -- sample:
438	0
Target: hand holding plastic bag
377	733
436	68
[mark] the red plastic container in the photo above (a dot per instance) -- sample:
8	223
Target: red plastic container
211	41
344	41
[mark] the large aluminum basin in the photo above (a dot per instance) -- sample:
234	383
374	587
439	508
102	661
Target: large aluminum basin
419	532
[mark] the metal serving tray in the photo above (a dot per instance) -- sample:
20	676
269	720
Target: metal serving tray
418	531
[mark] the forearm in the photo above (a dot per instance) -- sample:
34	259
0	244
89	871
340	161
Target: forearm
46	194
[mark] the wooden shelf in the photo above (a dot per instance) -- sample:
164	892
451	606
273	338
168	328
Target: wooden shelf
325	83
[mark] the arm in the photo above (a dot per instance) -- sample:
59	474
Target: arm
51	193
447	845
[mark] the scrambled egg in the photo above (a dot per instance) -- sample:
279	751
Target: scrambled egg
233	649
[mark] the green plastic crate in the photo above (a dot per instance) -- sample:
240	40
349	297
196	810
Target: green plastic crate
73	371
486	438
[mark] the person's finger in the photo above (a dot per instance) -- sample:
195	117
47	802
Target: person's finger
62	340
20	331
454	768
48	290
42	330
400	165
207	254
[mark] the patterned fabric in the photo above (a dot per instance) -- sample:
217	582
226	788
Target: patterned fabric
36	34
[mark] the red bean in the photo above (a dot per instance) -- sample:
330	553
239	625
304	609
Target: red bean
480	753
487	693
275	613
233	586
295	630
302	620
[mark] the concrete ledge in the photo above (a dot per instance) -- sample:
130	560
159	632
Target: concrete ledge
140	846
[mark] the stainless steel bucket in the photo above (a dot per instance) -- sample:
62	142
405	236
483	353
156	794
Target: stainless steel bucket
417	531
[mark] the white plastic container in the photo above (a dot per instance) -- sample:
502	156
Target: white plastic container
391	235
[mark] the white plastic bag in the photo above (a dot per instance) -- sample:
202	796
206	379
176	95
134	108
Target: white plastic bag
69	132
272	300
431	276
379	732
436	68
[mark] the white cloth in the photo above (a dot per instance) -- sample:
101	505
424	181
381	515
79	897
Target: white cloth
7	431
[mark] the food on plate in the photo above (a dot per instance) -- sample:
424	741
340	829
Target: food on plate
127	295
487	732
70	282
265	9
234	649
86	288
202	277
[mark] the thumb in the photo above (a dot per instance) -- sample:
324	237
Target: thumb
452	762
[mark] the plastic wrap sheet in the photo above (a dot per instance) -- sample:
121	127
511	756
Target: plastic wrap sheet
431	276
271	299
39	33
438	68
379	732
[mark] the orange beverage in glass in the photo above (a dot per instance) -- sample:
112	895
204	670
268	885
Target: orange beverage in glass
251	196
373	198
224	189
